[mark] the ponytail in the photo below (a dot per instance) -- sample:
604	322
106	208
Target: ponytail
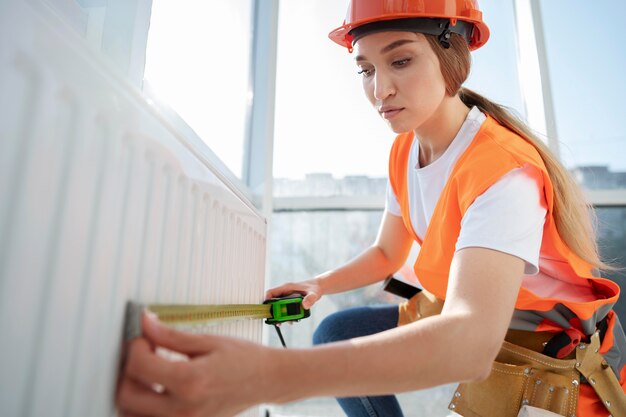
574	217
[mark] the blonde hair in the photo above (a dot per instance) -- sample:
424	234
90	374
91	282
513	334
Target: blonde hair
573	215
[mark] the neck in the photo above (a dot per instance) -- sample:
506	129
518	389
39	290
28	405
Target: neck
439	131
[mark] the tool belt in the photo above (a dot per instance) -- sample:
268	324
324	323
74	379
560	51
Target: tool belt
521	375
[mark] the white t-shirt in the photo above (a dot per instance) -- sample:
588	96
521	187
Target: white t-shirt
508	217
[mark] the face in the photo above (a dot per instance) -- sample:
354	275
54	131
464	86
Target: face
401	78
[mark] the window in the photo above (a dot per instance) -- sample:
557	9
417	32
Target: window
324	123
612	241
587	67
198	61
494	66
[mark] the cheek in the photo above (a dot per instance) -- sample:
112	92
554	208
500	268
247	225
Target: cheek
368	89
428	87
439	84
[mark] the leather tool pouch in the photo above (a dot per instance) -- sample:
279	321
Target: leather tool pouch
520	377
421	305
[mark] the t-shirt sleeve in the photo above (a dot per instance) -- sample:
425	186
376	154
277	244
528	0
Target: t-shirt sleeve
509	218
391	202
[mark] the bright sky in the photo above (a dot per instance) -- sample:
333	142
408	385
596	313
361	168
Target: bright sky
323	121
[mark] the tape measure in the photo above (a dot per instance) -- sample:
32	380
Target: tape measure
188	316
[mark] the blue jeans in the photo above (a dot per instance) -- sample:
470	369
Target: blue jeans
355	322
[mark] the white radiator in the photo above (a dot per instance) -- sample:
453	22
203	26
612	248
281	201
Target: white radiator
100	202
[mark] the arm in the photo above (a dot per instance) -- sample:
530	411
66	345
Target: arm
458	345
225	375
377	262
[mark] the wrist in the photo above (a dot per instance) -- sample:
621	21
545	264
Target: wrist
274	373
322	283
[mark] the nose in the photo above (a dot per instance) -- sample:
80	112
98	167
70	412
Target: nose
383	85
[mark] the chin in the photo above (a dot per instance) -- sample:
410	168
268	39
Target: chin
399	131
399	128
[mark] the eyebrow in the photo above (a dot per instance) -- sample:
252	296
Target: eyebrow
393	45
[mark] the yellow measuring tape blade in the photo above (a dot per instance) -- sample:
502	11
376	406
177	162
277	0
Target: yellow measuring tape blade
206	314
191	315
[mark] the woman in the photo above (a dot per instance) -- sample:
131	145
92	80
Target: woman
505	239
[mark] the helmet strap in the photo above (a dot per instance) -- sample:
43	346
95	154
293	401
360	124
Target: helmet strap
444	37
442	28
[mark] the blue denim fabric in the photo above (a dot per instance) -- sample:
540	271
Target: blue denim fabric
355	322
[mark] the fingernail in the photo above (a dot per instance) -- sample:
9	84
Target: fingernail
151	315
152	320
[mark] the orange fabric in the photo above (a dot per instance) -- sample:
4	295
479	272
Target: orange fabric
589	405
494	152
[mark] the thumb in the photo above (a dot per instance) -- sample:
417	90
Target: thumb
172	339
310	299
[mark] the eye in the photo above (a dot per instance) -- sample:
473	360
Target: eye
366	72
401	62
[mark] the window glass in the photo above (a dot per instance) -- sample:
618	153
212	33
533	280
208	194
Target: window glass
612	241
324	123
587	63
494	66
198	62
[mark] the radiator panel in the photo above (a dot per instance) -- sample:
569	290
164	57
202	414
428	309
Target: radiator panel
101	201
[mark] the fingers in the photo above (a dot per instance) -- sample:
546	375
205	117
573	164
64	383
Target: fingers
182	342
275	292
284	290
309	300
212	383
135	399
311	296
145	366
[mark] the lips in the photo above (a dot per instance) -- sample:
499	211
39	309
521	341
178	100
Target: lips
388	112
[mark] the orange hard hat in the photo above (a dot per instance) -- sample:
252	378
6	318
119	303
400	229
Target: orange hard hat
435	17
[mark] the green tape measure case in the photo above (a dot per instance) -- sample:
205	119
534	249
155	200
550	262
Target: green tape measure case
286	309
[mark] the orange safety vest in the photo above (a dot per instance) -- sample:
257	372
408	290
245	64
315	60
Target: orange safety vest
495	151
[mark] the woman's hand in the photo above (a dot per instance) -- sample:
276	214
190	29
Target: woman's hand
310	289
222	377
